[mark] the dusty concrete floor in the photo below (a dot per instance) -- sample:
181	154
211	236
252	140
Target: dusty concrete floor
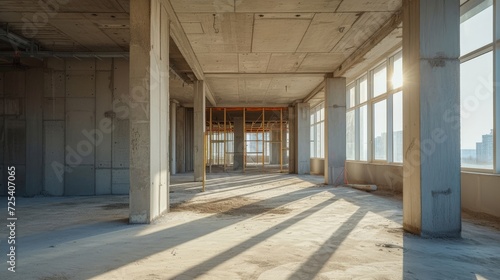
271	226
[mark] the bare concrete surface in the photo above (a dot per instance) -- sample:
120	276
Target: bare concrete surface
267	226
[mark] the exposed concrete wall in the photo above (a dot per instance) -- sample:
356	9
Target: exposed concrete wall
303	140
480	192
317	166
180	144
189	140
66	126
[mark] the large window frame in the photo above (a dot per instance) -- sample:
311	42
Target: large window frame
318	131
387	96
494	48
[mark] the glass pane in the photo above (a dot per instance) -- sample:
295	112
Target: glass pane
476	97
363	133
351	97
380	130
363	89
379	80
397	124
476	29
397	76
351	135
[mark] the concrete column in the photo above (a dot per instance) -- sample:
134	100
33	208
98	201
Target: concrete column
239	144
291	140
180	142
303	140
335	130
148	103
173	137
275	147
431	178
199	131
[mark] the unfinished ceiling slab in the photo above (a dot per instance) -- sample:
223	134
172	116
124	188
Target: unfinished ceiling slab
278	35
286	6
326	30
285	62
370	6
219	62
203	6
321	62
253	62
222	32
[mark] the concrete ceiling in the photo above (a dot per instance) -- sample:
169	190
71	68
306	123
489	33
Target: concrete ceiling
253	52
273	52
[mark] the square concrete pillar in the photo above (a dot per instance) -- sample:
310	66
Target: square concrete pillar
335	131
292	136
303	138
199	131
431	66
239	144
148	104
180	143
275	151
173	137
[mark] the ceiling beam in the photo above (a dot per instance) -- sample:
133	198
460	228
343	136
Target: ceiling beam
313	93
262	75
181	40
358	55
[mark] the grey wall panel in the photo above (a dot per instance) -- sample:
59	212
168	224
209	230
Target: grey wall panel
1	85
34	131
53	109
80	104
189	140
80	64
80	83
2	140
1	106
102	181
55	63
14	83
55	83
104	64
80	180
80	141
121	144
53	159
14	107
120	78
121	181
104	97
15	142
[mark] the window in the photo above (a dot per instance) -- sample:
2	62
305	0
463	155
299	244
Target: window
397	126
351	136
375	113
476	87
380	130
317	131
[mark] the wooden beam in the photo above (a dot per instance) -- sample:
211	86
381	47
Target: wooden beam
358	55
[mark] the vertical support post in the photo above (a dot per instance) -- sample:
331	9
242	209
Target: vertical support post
281	140
292	139
335	130
210	135
173	136
225	140
303	140
263	137
199	130
431	66
496	84
181	140
149	158
244	141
